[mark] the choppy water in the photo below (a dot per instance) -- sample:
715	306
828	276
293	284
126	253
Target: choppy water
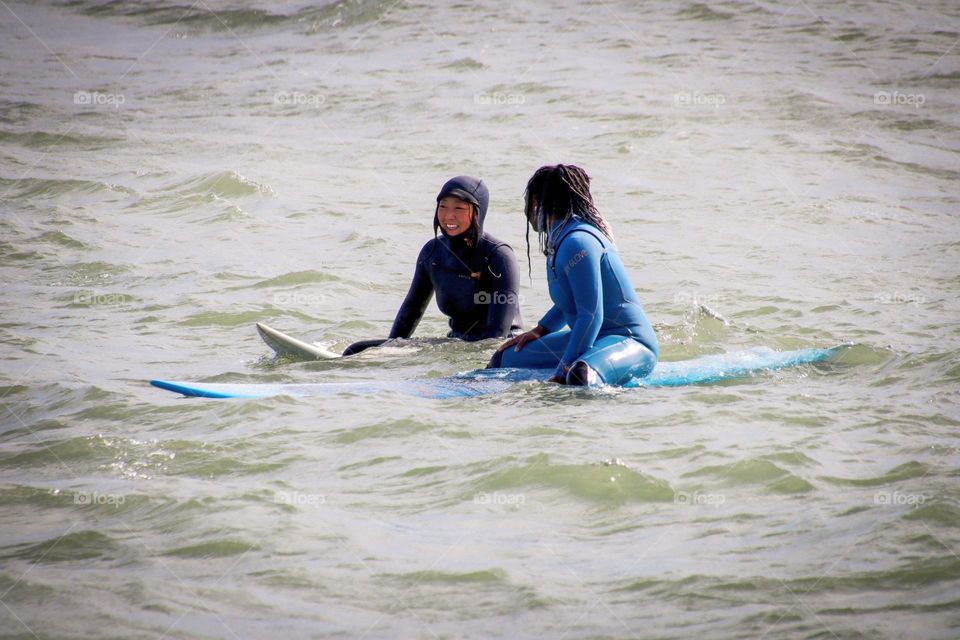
172	173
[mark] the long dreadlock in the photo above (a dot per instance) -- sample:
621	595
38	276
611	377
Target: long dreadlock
559	192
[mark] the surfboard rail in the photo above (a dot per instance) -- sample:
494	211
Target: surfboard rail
703	370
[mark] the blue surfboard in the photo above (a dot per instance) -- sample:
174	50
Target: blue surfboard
480	382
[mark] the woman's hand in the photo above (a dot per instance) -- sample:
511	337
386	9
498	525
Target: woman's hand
534	334
560	378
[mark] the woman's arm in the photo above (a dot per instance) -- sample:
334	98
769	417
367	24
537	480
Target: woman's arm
418	297
504	300
553	319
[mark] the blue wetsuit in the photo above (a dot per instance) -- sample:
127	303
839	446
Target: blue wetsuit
477	287
593	296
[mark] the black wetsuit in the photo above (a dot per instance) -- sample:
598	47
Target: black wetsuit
479	306
477	286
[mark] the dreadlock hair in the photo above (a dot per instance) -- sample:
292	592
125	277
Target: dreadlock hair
560	191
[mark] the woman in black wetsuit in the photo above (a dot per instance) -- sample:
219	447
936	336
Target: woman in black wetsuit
473	274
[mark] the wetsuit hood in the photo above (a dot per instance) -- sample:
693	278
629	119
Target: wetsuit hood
469	189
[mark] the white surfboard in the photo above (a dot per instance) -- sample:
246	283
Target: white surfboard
285	345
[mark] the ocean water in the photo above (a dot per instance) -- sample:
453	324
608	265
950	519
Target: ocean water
778	175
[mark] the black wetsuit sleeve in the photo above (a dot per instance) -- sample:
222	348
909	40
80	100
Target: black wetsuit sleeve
504	309
418	297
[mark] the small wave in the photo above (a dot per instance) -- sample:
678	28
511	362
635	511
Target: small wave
938	513
91	273
910	124
872	156
213	549
464	64
226	319
13	111
40	188
295	278
861	354
286	579
217	18
946	80
79	545
702	12
488	576
57	452
906	471
9	253
765	589
389	429
223	184
604	484
201	17
33	496
755	471
61	239
47	141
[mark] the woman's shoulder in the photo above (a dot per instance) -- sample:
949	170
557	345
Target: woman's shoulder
492	247
581	237
428	249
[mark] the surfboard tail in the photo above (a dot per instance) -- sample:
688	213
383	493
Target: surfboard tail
730	366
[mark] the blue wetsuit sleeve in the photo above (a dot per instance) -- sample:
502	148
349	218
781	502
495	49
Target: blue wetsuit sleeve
505	299
579	262
553	319
418	297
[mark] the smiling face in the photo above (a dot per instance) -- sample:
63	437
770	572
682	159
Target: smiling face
455	215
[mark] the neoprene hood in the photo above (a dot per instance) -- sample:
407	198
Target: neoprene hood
469	189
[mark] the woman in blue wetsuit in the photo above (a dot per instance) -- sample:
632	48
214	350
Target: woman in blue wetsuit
473	274
609	339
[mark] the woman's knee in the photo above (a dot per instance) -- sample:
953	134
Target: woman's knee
619	361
